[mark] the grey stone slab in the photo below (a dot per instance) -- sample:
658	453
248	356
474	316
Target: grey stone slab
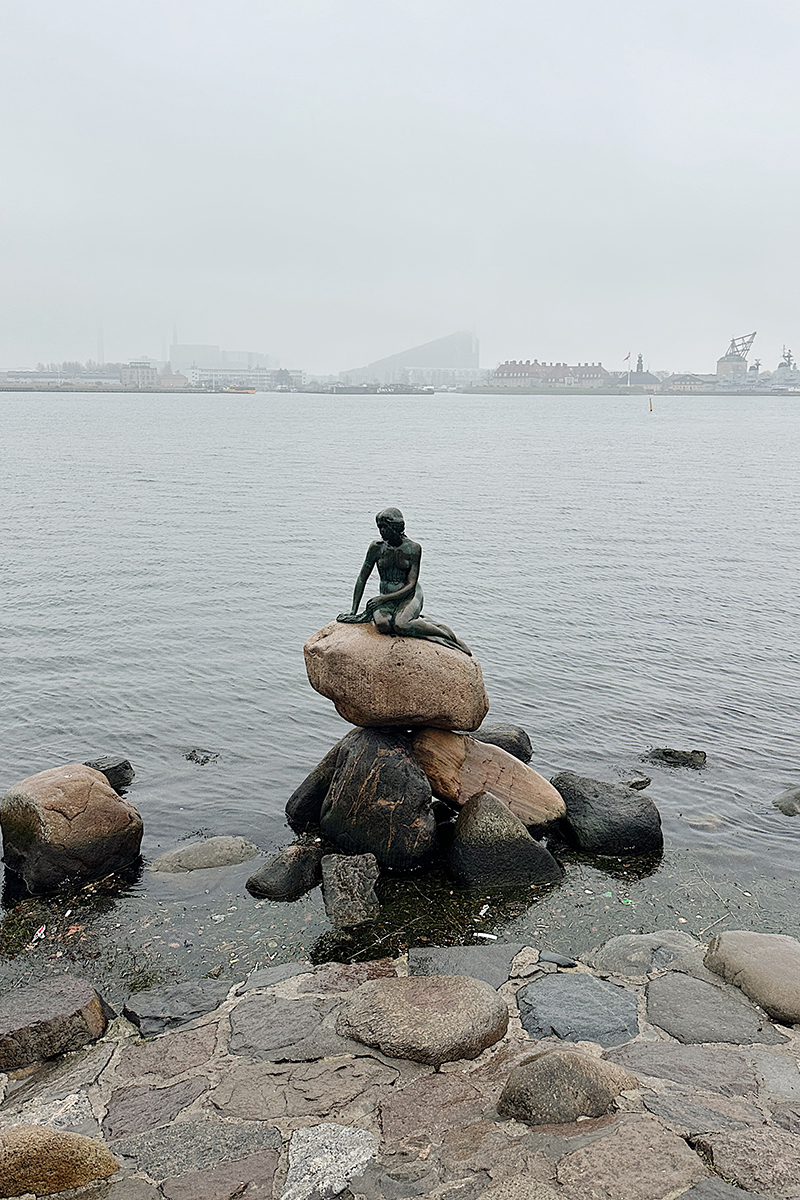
578	1008
693	1113
331	1088
72	1114
266	977
693	1011
778	1072
169	1055
54	1081
324	1157
710	1068
635	954
164	1008
249	1178
194	1145
717	1189
262	1026
119	1189
491	963
136	1109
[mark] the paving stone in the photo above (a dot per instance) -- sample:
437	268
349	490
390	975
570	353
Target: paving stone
267	1091
136	1109
717	1189
692	1112
779	1073
495	1148
490	963
716	1069
578	1008
346	977
635	954
266	977
324	1157
397	1176
165	1008
263	1026
430	1019
249	1178
423	1112
766	966
169	1055
558	1086
766	1159
48	1018
44	1161
522	1188
72	1114
117	1189
195	1145
639	1158
54	1081
787	1116
693	1011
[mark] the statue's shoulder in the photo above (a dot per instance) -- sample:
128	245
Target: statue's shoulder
375	548
413	548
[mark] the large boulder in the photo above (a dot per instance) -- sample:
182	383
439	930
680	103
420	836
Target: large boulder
428	1018
460	768
511	738
66	826
42	1161
492	848
45	1019
304	806
765	966
607	818
375	679
556	1087
379	801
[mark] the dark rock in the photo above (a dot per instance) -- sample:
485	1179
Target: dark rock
638	781
713	1069
201	757
348	889
323	1158
665	757
66	826
118	771
263	1026
694	1011
635	954
560	960
49	1018
196	1144
765	966
606	818
290	874
304	806
137	1109
490	963
492	848
165	1008
788	802
379	801
430	1019
249	1178
40	1160
223	851
557	1086
266	977
693	1112
511	738
578	1008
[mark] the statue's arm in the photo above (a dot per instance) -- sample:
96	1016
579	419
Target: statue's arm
364	574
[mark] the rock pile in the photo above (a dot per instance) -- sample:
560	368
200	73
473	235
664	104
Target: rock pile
408	782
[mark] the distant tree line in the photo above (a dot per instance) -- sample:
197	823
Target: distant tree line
78	368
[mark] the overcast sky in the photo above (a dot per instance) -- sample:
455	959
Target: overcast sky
331	181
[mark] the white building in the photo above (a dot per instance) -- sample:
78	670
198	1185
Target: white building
139	374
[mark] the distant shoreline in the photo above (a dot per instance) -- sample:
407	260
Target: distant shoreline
472	390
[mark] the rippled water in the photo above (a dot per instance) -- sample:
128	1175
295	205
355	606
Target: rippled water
626	579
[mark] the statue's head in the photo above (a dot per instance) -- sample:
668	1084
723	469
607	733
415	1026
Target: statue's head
391	525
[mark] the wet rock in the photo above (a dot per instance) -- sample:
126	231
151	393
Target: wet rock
765	966
290	874
305	803
638	781
221	851
429	1019
490	963
557	1086
137	1109
511	738
578	1008
164	1008
492	848
788	802
663	756
375	679
324	1158
605	818
44	1161
636	954
638	1158
694	1011
759	1160
49	1018
118	771
459	768
348	889
196	1144
266	977
201	757
249	1178
713	1069
67	825
379	801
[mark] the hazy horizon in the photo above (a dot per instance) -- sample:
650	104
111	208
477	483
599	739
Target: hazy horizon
333	181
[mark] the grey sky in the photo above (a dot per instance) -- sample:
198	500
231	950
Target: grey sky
331	181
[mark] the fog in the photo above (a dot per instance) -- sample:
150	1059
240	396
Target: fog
331	181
